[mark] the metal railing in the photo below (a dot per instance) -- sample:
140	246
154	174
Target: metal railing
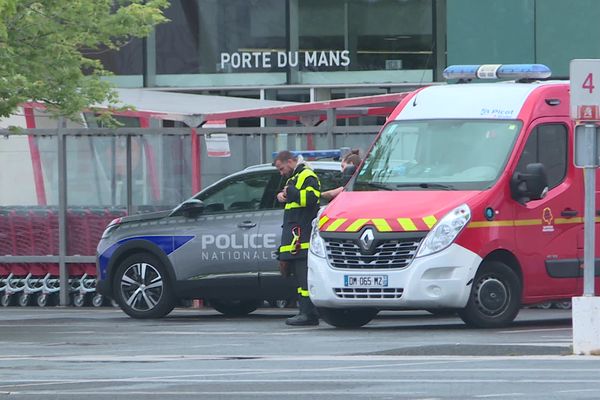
264	139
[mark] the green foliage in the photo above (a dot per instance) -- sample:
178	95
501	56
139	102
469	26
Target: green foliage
43	47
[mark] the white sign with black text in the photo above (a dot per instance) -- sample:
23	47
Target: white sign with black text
282	59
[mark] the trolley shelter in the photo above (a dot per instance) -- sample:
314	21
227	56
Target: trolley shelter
63	182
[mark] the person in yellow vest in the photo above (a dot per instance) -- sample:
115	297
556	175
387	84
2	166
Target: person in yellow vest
301	195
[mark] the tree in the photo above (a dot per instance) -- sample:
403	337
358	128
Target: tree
43	47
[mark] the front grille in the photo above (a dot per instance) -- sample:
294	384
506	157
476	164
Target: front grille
370	293
388	254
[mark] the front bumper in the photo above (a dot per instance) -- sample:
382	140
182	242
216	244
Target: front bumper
102	283
440	280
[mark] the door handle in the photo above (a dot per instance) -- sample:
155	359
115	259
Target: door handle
247	224
568	213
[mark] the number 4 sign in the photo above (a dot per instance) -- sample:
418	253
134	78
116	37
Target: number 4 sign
585	97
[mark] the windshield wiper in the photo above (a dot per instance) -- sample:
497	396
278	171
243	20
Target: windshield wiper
378	185
426	185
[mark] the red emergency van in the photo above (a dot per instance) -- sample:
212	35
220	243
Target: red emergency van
468	200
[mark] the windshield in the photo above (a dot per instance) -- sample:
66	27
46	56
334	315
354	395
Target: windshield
438	155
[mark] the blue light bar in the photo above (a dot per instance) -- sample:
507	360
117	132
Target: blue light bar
315	153
498	71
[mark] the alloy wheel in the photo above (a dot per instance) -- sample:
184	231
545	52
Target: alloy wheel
141	286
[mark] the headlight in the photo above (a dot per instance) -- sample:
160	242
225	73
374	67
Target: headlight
114	224
445	231
317	246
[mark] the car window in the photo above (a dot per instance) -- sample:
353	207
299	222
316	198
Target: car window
270	197
257	191
547	144
240	193
330	179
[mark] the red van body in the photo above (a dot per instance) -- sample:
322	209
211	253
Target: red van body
447	213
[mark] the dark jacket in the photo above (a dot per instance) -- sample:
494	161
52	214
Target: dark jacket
302	205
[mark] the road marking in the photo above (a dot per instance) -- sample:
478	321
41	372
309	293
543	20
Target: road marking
283	358
203	333
197	333
499	395
324	393
510	380
537	330
294	330
226	376
30	325
566	343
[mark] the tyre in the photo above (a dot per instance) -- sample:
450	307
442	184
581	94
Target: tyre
544	306
23	299
141	287
282	303
495	297
97	300
563	305
235	308
6	300
79	300
42	300
347	317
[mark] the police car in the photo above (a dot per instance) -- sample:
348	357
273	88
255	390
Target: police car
219	245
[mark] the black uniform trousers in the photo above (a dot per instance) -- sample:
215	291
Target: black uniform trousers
298	267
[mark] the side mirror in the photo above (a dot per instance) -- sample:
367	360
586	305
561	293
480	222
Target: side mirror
189	208
529	185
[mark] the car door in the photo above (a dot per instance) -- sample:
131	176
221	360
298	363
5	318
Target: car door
547	230
271	282
225	244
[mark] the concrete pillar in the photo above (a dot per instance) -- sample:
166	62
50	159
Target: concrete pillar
439	36
149	60
586	325
293	40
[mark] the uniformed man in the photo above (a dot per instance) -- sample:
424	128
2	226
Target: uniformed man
301	195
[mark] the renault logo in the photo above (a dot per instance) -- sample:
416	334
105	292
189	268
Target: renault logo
366	239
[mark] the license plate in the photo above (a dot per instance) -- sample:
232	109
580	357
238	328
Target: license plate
365	280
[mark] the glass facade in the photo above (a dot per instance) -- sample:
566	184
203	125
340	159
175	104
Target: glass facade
222	43
550	32
257	43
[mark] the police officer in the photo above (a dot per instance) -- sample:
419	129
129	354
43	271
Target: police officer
301	195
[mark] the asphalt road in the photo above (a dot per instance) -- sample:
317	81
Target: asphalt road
67	353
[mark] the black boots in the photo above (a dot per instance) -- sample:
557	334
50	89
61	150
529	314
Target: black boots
308	314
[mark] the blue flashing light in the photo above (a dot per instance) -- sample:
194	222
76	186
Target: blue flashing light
498	71
335	154
461	72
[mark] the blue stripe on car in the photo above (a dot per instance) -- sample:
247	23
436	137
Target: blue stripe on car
168	244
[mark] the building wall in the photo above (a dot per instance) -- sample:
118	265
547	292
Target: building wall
352	41
389	41
550	32
566	30
490	32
